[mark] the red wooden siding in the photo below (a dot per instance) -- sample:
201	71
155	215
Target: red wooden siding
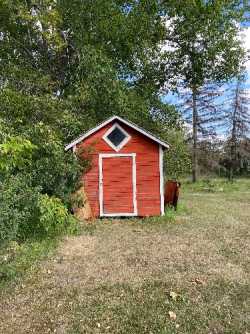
117	185
147	169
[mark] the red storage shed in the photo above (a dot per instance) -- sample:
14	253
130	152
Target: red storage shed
126	176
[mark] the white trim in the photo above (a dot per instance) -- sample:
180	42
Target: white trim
100	185
114	155
132	125
118	214
134	185
161	179
123	143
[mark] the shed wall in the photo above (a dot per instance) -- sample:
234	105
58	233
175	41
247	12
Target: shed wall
147	170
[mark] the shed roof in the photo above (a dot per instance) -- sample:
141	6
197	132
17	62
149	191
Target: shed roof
122	120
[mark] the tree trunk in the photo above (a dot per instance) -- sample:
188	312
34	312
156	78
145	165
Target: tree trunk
195	136
233	150
233	154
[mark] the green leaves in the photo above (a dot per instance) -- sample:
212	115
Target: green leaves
54	217
177	157
15	153
203	42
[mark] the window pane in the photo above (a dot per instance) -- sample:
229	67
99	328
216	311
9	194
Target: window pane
116	137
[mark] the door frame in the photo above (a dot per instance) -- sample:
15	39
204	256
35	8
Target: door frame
117	155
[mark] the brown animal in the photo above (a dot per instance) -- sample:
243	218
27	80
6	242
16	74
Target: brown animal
171	193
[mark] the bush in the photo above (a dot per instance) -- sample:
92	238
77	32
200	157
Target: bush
25	212
54	217
37	178
57	172
18	207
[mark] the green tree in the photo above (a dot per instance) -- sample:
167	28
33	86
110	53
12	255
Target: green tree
202	46
71	64
177	158
15	154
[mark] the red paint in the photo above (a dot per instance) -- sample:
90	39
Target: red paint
117	185
147	171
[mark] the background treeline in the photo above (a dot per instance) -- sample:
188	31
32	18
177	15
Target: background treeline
68	64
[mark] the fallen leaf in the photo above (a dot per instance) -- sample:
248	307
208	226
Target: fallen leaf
173	295
198	281
172	315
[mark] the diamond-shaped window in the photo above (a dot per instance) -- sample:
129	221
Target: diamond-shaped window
116	137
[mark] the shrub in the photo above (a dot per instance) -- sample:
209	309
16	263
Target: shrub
25	212
54	218
55	171
18	207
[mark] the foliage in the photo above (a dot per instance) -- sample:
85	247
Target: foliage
203	43
26	213
55	171
18	205
177	158
54	217
89	66
15	153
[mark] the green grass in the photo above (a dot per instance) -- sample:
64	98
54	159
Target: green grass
213	308
117	276
220	185
219	304
18	260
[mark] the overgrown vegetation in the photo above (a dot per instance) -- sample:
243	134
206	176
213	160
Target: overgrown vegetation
27	180
62	72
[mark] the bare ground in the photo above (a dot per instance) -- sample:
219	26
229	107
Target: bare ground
208	241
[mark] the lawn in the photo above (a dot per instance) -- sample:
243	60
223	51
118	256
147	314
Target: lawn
184	273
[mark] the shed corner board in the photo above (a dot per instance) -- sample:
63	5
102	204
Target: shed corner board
161	169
